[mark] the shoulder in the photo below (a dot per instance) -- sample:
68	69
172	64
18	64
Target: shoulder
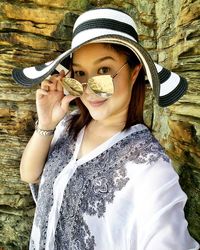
150	169
157	197
144	146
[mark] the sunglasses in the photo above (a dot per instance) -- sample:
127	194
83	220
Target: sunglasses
101	85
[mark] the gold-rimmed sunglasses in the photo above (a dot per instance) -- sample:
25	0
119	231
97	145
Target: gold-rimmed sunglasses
101	85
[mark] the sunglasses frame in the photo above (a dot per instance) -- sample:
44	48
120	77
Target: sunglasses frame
69	89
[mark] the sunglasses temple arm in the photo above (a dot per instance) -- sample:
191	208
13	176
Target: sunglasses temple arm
67	72
119	70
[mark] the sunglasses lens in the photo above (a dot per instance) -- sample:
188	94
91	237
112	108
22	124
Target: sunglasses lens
102	85
72	86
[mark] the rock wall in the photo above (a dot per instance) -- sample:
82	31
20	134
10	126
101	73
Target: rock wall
35	31
178	127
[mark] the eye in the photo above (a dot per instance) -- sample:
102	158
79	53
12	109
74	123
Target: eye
79	73
104	71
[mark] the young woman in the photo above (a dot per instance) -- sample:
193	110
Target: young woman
99	178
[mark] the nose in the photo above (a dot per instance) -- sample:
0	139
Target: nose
86	89
84	85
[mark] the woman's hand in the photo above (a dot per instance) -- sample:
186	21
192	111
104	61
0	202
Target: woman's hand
52	104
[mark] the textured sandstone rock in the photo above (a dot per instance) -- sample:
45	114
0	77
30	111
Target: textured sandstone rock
36	31
178	43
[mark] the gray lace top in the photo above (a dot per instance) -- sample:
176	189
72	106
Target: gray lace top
123	195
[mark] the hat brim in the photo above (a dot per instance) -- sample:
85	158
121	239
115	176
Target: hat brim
167	89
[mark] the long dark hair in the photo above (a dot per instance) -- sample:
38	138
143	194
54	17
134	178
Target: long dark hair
135	109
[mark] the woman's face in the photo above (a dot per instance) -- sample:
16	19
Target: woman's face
99	59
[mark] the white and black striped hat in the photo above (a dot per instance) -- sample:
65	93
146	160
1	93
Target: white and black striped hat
106	25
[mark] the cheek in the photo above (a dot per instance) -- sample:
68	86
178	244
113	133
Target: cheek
82	99
123	87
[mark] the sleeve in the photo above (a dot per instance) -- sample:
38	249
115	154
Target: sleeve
34	187
160	202
60	129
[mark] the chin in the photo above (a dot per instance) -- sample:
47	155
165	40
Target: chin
98	115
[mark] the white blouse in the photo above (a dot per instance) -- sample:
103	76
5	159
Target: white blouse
124	195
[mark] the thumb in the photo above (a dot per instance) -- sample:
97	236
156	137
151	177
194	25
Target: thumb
62	74
65	102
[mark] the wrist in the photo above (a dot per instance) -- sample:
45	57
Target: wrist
45	126
43	132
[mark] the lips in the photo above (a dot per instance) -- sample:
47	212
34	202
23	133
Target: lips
97	103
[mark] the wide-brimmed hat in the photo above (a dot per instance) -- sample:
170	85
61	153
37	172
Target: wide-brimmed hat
106	25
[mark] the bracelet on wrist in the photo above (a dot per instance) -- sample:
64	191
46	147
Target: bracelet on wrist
43	132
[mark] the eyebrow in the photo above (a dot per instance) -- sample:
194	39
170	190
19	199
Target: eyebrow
99	60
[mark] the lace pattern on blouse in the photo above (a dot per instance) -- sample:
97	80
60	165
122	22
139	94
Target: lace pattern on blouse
91	188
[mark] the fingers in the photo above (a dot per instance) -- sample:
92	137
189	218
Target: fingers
65	102
40	93
45	85
62	73
53	83
59	83
61	76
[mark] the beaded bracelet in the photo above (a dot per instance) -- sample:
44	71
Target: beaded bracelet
43	132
